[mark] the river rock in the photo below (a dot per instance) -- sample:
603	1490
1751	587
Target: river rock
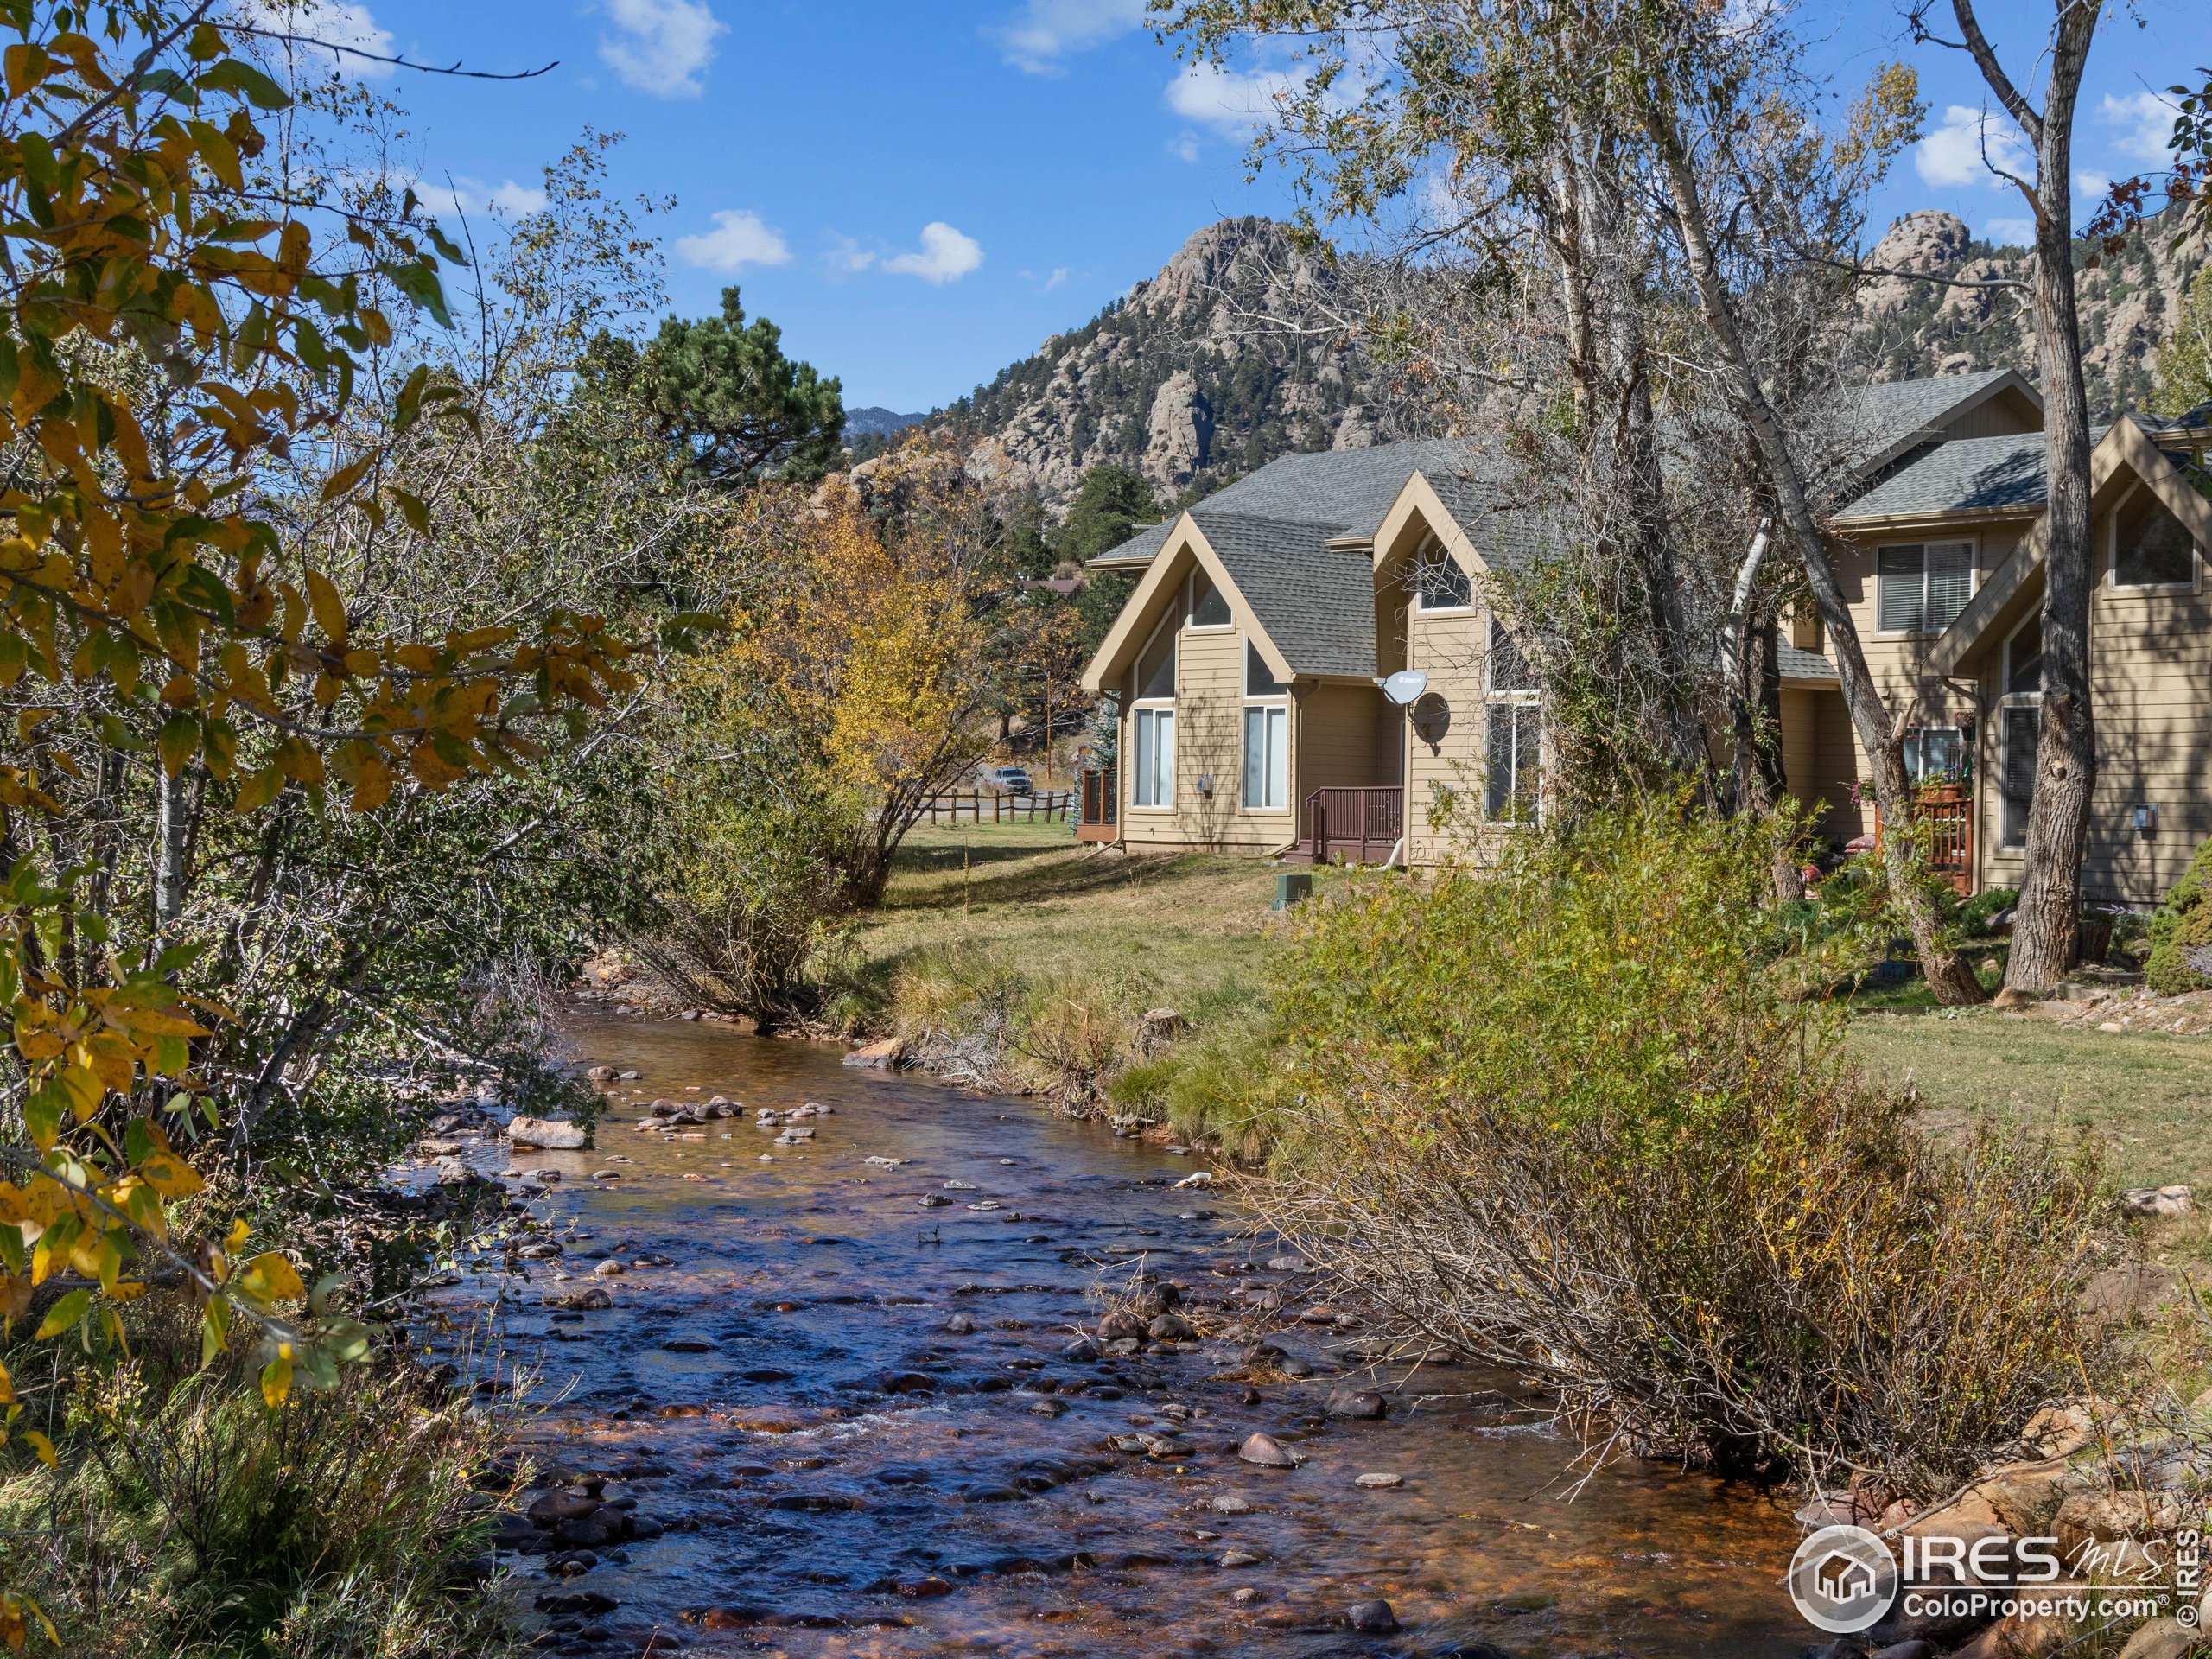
584	1301
2162	1639
602	1074
1238	1558
929	1200
1267	1452
1380	1481
609	1269
877	1056
1080	1352
552	1508
1115	1326
959	1326
1172	1327
1357	1405
1372	1618
550	1133
1230	1503
1202	1177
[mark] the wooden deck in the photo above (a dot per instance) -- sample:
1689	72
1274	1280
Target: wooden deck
1358	826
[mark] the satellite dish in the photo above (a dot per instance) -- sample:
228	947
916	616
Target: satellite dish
1406	686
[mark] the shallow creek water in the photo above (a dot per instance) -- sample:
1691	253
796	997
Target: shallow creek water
839	1475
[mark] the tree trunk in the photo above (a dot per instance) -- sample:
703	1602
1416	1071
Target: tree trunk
1949	977
2047	924
173	820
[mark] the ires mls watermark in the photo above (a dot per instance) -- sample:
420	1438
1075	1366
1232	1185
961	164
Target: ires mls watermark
1844	1580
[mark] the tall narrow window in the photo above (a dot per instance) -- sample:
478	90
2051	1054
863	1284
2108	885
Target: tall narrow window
2023	659
1259	679
1515	762
1153	782
1267	755
2018	760
1208	609
2151	548
1156	674
1921	588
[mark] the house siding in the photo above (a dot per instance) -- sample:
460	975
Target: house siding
2151	691
1451	648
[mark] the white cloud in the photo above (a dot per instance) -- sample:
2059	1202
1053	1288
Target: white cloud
1184	149
336	22
2146	121
660	47
846	258
468	197
2088	181
1058	278
1044	32
1230	103
944	255
1952	154
2010	233
738	239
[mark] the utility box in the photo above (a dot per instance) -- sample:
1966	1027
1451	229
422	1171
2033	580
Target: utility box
1292	888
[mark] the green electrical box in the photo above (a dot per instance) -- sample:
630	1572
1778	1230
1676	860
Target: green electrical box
1293	886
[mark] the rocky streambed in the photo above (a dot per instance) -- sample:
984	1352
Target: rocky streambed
951	1375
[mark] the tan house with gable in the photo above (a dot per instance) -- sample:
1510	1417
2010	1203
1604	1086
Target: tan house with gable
1250	661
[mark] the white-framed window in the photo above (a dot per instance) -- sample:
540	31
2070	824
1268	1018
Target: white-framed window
1934	751
1206	607
1920	586
2149	547
1153	781
1441	582
2019	726
1509	669
1515	762
1266	736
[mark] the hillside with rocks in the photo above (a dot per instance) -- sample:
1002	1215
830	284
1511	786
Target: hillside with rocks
1911	328
1196	377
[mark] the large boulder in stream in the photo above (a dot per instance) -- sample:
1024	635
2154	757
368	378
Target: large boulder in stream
551	1134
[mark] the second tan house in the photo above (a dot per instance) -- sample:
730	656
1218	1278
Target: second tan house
1249	663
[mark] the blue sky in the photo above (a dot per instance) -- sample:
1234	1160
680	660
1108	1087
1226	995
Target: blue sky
920	191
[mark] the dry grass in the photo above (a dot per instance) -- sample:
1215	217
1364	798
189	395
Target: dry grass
2147	1096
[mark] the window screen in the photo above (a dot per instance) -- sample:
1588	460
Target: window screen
1509	669
1208	609
1440	585
2151	547
1259	679
2019	762
1934	751
1516	742
1267	756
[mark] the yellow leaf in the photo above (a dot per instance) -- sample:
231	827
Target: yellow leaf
329	609
372	787
270	1277
43	1447
156	1022
276	1381
169	1175
338	482
7	1387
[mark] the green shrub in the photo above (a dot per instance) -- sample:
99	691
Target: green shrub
2181	927
1973	913
186	1518
1573	1114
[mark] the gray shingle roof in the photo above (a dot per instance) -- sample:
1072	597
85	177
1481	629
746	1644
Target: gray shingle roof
1967	475
1882	420
1797	665
1315	602
1137	552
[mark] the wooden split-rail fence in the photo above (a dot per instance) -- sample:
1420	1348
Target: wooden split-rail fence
985	806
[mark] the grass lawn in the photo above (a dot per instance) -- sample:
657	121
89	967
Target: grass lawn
2148	1096
1190	931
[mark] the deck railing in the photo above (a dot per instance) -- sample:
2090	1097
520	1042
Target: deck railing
1045	806
1358	820
1946	819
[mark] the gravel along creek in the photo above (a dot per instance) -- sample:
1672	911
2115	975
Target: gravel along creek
838	1402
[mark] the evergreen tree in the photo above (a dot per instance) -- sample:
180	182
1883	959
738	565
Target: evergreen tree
1111	504
725	394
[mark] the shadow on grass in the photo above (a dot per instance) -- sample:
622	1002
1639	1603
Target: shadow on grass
1039	876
